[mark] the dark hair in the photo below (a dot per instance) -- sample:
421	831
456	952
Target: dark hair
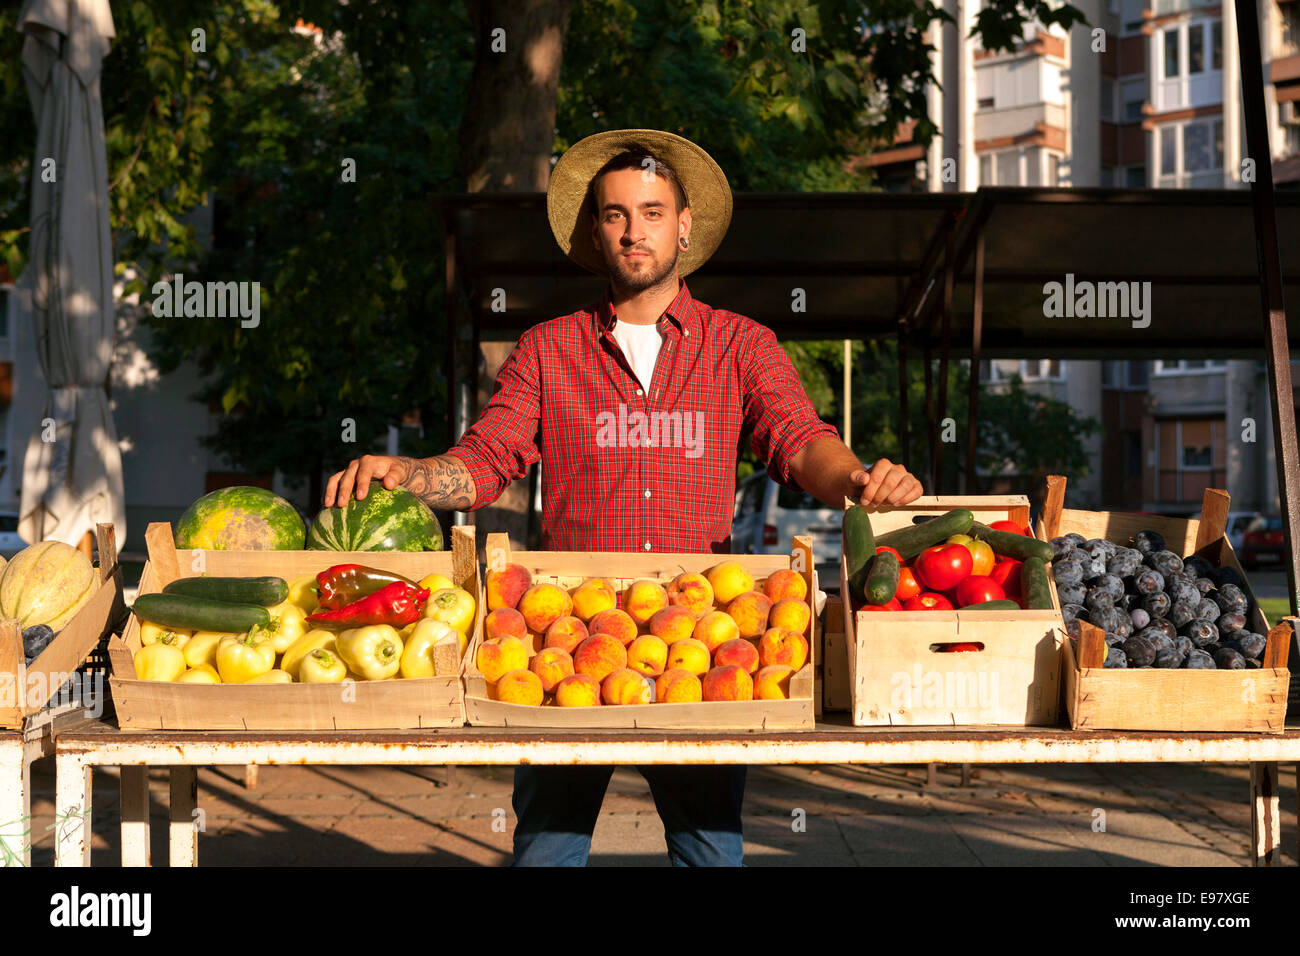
635	158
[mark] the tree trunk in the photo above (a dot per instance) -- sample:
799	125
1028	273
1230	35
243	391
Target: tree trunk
506	138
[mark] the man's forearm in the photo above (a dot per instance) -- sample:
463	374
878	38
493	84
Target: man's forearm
441	482
823	468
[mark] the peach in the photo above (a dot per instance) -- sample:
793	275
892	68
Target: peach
728	683
678	686
691	591
552	665
790	615
599	656
648	655
615	623
715	629
785	584
729	580
672	623
593	596
544	604
580	690
781	647
750	611
627	686
567	632
504	622
740	652
690	655
497	658
644	598
520	687
507	586
773	682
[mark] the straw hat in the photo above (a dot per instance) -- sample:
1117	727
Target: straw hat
704	181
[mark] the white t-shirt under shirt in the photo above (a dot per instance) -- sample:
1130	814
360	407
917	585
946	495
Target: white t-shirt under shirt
641	344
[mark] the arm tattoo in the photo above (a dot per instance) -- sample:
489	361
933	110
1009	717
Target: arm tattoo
442	482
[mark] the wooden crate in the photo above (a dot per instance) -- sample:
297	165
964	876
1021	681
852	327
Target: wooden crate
360	705
1153	698
837	696
24	690
896	675
568	569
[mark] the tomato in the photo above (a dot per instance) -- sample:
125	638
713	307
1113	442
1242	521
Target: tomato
942	569
963	647
977	589
981	554
891	605
893	551
908	585
928	601
1010	526
1007	573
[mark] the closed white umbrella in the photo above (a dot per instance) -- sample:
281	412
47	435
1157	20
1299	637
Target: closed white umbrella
74	480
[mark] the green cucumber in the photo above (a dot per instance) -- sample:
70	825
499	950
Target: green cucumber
265	591
1034	586
882	579
1018	546
999	605
911	541
859	548
200	614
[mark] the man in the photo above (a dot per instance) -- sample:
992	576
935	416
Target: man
635	408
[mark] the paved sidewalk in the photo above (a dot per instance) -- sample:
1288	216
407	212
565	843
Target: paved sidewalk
1073	815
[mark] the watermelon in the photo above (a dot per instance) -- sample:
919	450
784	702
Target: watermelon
241	519
383	521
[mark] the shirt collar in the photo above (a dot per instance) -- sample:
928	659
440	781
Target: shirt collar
680	310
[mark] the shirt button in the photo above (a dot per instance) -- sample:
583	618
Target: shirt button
647	545
639	392
686	332
647	492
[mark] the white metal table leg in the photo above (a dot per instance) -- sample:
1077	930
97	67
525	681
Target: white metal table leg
72	833
1266	815
183	830
15	802
135	815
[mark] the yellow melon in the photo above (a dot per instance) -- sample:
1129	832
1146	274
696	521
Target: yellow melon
46	583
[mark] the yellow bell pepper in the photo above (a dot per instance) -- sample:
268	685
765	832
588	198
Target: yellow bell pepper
288	623
151	633
436	582
272	677
202	647
241	657
372	653
315	639
454	606
322	667
302	593
417	654
159	662
203	674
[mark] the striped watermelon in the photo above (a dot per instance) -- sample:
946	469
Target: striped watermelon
241	519
383	521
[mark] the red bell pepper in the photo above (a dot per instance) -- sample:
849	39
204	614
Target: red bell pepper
397	604
342	584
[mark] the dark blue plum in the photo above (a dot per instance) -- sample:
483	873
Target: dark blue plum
1072	611
1230	597
1207	610
1140	651
1071	593
1148	542
1139	617
1199	661
1113	621
1199	632
1225	658
1116	657
1157	604
1067	572
1181	613
1251	644
1165	626
1230	621
1198	566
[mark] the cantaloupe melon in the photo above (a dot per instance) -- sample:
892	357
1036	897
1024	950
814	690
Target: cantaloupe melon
46	583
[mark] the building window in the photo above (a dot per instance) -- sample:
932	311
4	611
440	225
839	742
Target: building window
1195	50
1008	168
1188	367
1290	27
1134	93
986	170
1191	154
1171	48
1132	454
1216	45
1199	458
1137	374
1135	177
1128	375
1107	99
1042	370
985	103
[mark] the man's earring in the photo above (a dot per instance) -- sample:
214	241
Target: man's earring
684	242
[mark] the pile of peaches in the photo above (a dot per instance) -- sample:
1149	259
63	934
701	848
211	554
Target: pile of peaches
715	636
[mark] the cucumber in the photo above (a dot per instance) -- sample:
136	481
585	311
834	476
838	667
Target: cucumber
859	548
999	605
266	591
200	614
1034	586
1010	545
882	579
909	542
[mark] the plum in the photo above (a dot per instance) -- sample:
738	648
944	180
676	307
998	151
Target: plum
1115	657
1149	582
1230	621
1166	562
1098	600
1183	593
1251	644
1157	604
1230	597
1122	564
1199	661
1140	651
1149	542
1100	546
35	639
1204	585
1113	621
1225	658
1198	566
1164	626
1181	613
1184	645
1071	593
1072	611
1062	545
1168	657
1067	572
1139	617
1207	610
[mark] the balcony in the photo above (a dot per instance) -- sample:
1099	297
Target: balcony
1163	8
1178	487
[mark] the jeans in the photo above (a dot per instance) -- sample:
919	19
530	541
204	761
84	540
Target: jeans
556	809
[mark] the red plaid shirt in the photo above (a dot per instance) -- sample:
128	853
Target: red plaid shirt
623	470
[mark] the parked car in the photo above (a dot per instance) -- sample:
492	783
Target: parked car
10	542
1234	527
1262	542
769	515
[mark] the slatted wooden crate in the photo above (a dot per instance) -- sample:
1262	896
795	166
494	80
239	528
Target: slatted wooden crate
353	705
834	660
900	677
26	690
569	569
1099	698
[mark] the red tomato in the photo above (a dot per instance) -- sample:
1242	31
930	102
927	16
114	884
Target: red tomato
977	589
893	551
891	605
942	569
963	647
908	585
928	601
1007	573
1010	526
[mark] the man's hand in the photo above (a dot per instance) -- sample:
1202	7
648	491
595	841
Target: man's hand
886	484
386	469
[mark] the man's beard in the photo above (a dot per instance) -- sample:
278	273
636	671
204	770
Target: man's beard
629	281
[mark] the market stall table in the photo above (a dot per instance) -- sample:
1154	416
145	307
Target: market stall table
91	744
